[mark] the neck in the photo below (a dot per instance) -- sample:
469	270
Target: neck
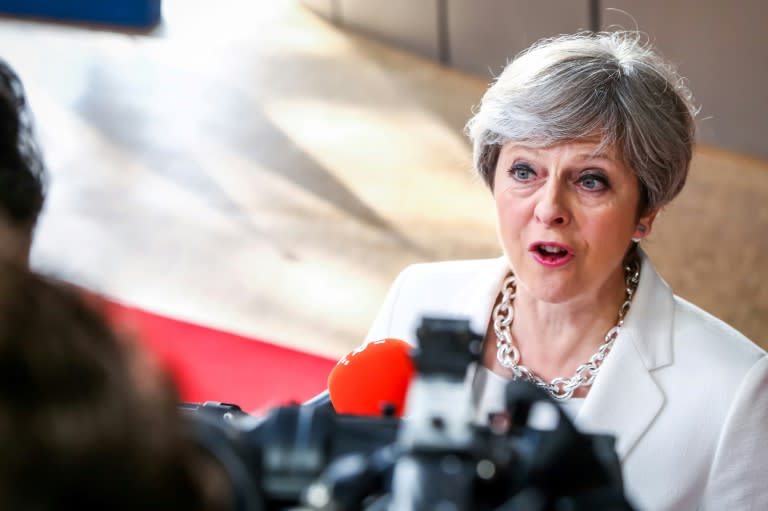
555	338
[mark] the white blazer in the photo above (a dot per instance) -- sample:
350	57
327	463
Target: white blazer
685	394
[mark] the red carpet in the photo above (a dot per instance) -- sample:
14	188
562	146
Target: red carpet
213	365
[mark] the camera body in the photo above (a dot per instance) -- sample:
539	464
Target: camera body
436	458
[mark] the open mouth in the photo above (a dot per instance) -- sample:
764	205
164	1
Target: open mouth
551	252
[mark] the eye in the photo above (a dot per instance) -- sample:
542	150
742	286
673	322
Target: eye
593	182
522	172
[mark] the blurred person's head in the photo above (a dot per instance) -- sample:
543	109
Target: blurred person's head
86	420
22	170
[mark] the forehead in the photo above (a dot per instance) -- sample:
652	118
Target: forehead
586	150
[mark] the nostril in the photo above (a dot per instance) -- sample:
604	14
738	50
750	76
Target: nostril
552	214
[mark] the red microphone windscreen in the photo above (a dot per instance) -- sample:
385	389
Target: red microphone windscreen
366	379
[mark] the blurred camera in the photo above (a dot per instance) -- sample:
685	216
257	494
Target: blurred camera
436	458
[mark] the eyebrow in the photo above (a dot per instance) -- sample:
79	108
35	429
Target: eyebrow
596	156
582	156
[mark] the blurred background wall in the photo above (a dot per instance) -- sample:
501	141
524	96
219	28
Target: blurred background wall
719	46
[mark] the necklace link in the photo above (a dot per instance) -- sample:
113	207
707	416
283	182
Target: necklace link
560	388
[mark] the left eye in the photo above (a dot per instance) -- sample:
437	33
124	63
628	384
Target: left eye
592	182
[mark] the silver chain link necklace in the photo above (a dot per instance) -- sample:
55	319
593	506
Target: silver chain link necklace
560	388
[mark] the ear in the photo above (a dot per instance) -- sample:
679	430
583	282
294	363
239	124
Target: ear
645	225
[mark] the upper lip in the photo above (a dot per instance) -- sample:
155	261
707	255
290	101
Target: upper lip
562	246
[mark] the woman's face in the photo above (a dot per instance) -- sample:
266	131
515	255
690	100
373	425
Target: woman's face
566	216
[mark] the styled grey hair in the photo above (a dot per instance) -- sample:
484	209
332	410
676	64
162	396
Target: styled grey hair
607	86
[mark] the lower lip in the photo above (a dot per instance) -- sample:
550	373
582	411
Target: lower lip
552	262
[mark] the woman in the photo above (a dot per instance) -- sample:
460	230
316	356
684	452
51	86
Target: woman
581	140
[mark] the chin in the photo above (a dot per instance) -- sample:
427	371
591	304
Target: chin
554	286
554	291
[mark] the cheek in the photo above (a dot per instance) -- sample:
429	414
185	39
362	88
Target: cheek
611	227
504	206
510	216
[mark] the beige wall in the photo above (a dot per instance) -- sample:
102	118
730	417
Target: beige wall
484	34
721	47
409	24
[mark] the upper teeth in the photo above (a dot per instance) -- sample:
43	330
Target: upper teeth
552	249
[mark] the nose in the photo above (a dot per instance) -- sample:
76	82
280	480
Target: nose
551	208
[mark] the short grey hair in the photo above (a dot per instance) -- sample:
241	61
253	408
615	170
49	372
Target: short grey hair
611	86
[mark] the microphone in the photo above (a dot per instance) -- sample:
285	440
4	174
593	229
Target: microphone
370	377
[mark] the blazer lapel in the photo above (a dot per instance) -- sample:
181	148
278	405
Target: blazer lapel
625	399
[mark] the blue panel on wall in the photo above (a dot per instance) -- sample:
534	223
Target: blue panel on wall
128	13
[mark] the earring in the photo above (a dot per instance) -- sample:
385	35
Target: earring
641	228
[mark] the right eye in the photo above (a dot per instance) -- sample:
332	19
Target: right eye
522	172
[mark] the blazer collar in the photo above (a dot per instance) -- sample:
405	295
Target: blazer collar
625	399
648	324
475	299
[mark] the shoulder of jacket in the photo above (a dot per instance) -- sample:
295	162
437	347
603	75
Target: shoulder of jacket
455	267
712	337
